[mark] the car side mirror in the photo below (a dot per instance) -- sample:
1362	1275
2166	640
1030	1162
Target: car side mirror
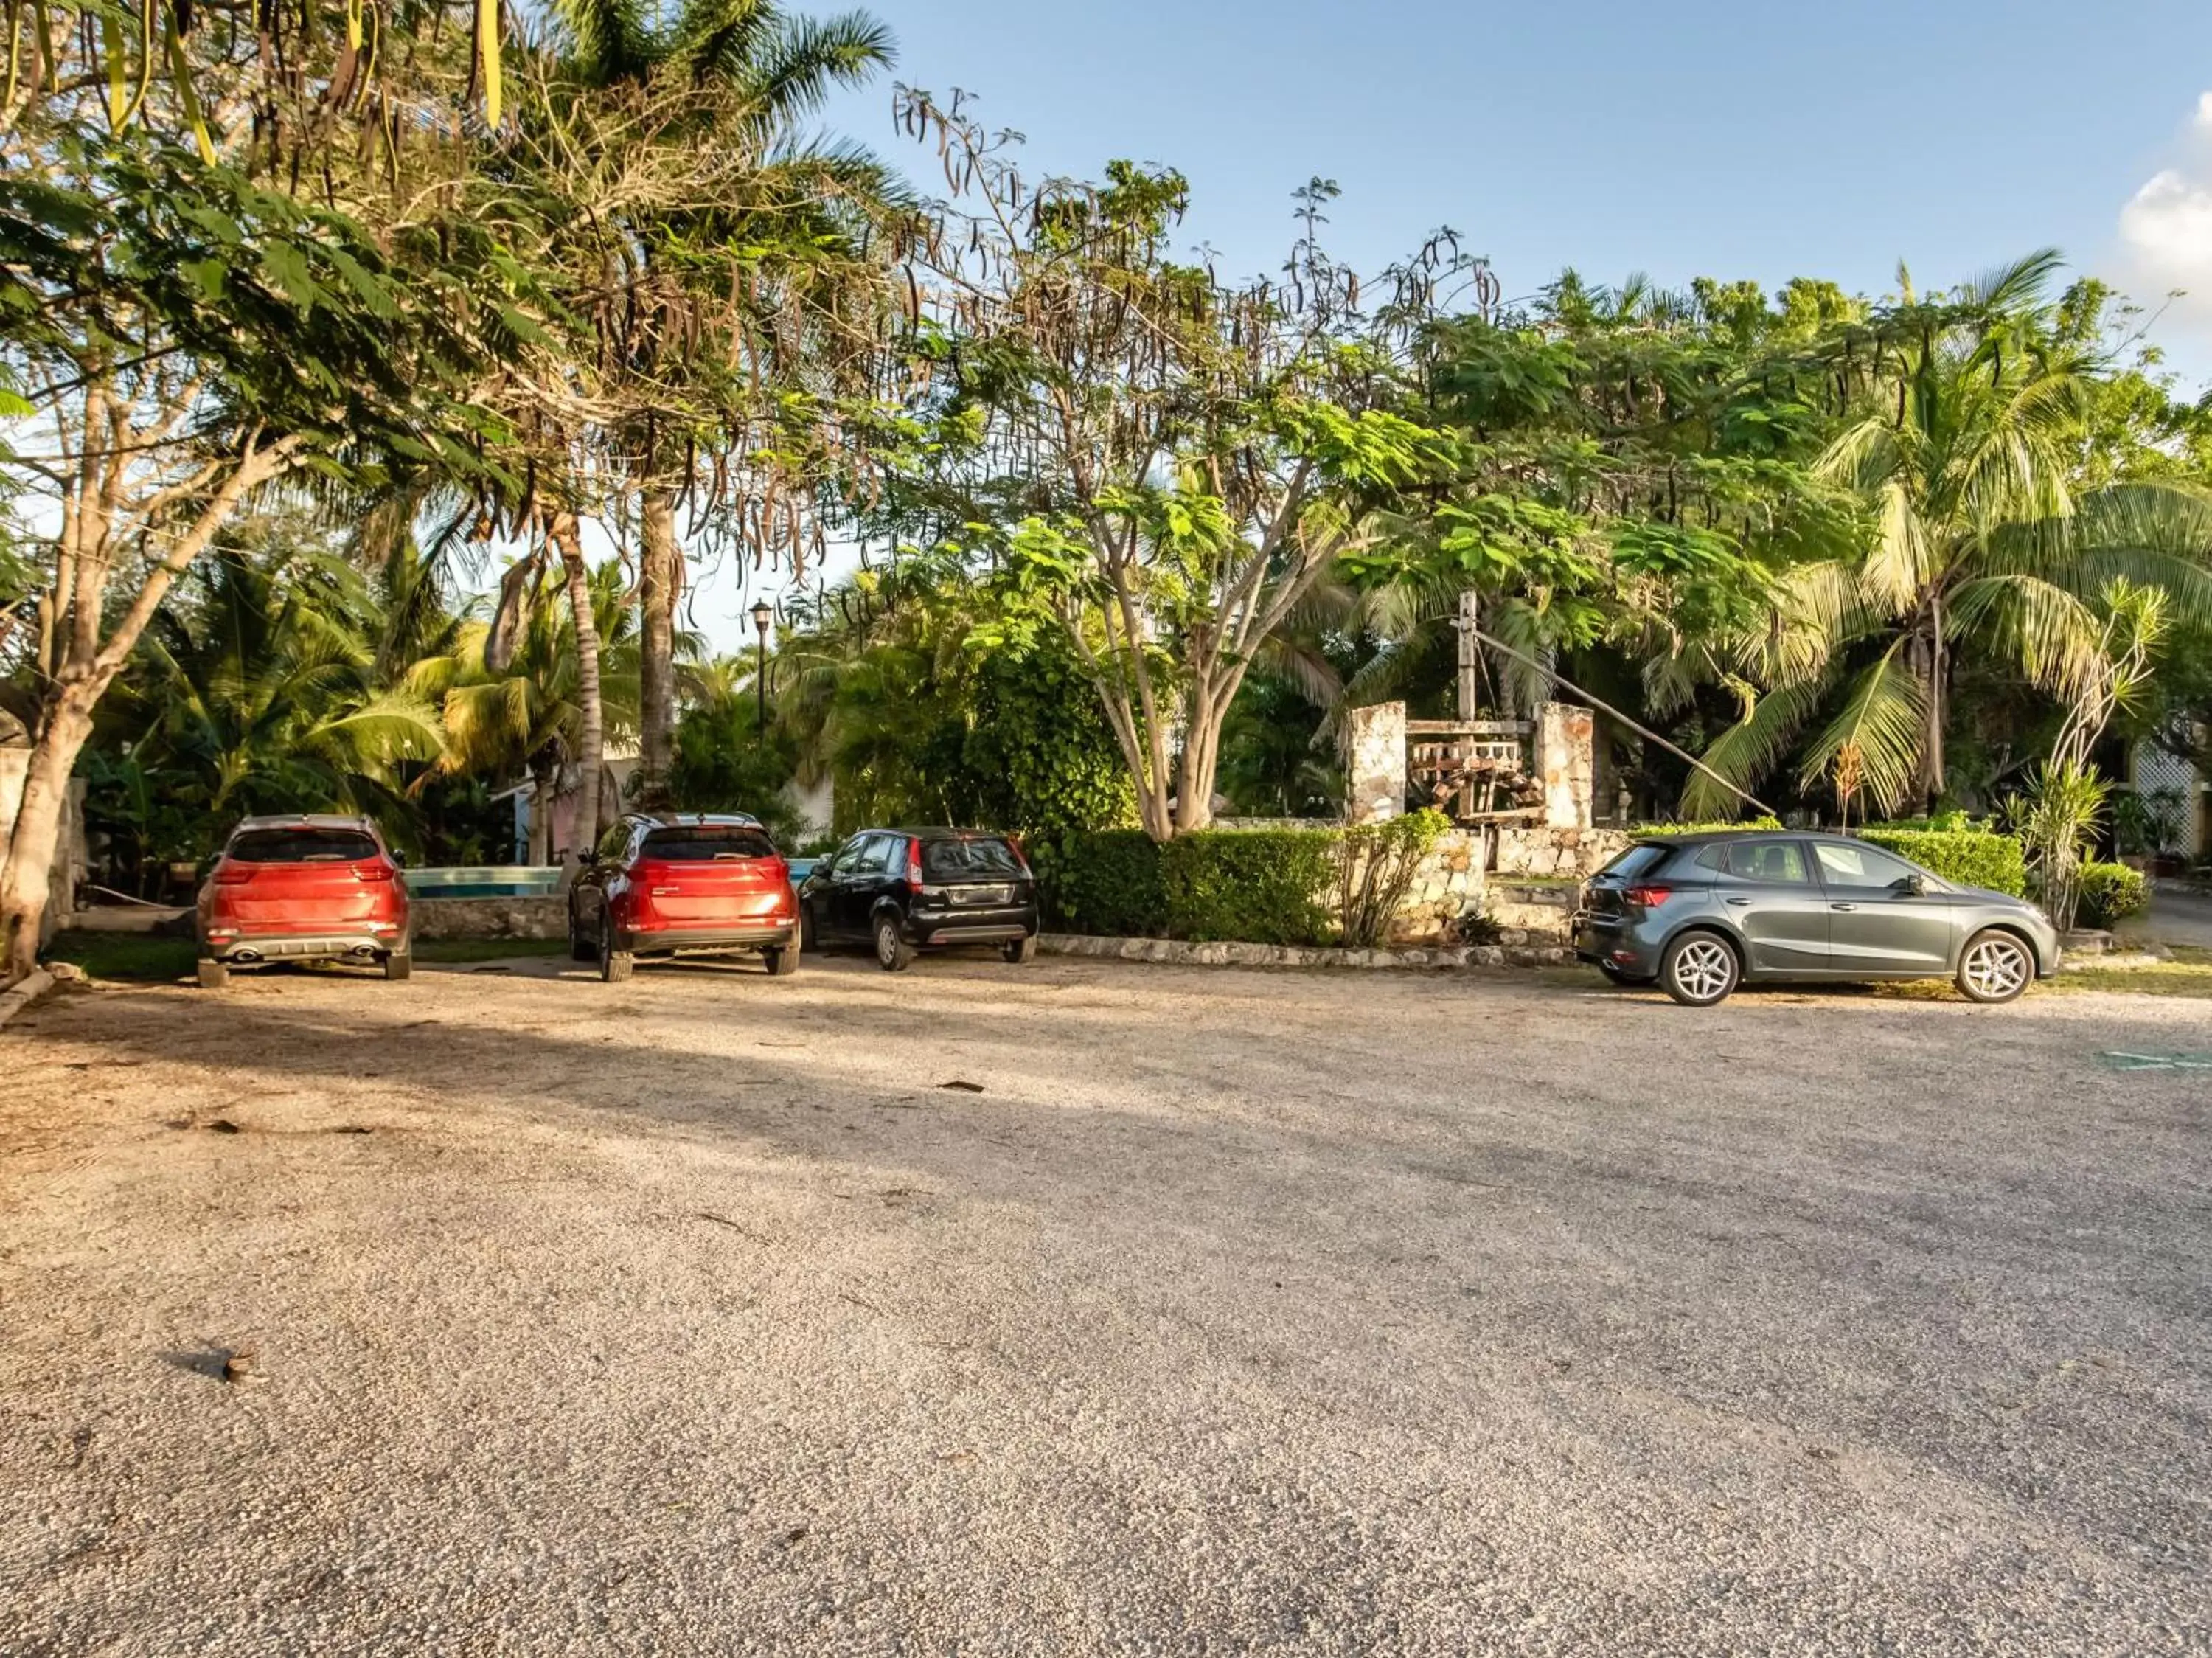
1911	885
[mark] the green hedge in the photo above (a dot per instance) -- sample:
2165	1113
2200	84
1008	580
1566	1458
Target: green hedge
1250	885
1969	857
1102	881
1257	886
2112	892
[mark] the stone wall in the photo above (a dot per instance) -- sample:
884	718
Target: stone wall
489	917
1561	854
1446	886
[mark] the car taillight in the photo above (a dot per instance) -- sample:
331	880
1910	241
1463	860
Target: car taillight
1648	898
232	874
914	866
377	871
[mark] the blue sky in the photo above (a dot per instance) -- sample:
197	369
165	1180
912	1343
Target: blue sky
1692	139
1689	139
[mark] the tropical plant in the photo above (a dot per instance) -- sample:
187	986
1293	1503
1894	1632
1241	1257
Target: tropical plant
193	339
525	716
2057	822
1962	455
722	261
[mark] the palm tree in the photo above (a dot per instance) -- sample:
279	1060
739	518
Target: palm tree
1963	464
765	258
265	695
527	712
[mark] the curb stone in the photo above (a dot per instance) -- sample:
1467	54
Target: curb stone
1230	955
26	990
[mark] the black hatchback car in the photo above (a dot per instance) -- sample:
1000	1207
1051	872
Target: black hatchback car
902	890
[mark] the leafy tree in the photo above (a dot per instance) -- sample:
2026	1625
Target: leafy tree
1966	452
1160	468
719	284
188	339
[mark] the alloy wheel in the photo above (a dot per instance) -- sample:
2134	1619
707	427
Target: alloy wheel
1704	970
1995	969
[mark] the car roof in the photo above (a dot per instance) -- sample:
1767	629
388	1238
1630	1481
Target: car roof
305	821
937	831
697	820
1710	837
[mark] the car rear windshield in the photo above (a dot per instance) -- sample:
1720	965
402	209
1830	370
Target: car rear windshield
704	843
300	846
1636	861
972	857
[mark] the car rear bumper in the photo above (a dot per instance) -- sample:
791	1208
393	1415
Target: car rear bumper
1609	941
666	940
976	926
302	947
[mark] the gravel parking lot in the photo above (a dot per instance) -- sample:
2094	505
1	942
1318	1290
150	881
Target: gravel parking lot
1095	1307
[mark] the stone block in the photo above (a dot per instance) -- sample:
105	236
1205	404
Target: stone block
1375	737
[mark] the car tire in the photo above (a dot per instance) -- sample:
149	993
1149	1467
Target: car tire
1019	952
893	954
1699	970
1622	977
398	965
1996	967
782	961
614	965
808	940
578	949
213	974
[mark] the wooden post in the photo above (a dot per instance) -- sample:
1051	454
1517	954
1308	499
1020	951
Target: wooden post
1470	685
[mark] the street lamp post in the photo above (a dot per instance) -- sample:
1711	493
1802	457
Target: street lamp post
762	616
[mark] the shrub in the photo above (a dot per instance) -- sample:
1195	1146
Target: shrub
2112	892
1644	829
1102	881
1375	866
1969	857
1259	885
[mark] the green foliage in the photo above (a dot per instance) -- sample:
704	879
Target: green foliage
1251	886
1257	886
724	763
1107	882
1039	757
1714	828
2110	893
1968	858
1375	866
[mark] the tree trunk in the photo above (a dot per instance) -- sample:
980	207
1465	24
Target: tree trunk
26	883
591	741
1929	665
541	815
660	579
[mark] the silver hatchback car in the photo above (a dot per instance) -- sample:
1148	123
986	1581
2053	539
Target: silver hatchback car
1700	914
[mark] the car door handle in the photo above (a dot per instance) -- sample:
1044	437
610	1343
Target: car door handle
1843	906
1738	902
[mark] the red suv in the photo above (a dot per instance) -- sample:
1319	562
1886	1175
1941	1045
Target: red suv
661	882
303	889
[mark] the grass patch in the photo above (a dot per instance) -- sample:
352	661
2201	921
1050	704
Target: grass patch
2189	974
143	956
150	958
487	949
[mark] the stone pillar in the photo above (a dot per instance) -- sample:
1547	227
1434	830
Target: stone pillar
1375	737
1566	753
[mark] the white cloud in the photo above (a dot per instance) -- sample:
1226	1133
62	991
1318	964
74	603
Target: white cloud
2166	229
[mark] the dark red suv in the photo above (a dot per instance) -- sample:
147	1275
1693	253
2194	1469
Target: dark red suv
661	882
303	889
